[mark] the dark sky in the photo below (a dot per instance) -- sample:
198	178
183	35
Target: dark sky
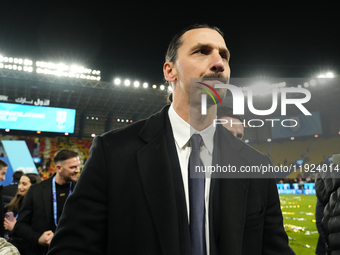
129	39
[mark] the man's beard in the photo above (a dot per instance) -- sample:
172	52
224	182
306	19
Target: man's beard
221	92
218	76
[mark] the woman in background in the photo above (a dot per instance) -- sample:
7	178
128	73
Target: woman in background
14	206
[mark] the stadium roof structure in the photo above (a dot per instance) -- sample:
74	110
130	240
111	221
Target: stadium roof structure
80	94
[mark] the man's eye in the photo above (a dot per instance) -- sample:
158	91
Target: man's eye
225	56
202	51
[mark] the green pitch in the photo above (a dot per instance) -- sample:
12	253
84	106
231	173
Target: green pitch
298	213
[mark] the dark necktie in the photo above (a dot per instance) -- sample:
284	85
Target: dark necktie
197	198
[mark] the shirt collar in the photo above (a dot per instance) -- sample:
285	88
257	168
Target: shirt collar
181	131
180	128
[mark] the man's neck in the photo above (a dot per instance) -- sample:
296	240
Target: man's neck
192	115
59	180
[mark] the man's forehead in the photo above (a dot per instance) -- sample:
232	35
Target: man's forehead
203	36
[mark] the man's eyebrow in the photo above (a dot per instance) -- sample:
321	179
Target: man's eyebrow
222	50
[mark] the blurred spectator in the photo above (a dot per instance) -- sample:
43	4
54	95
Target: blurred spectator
10	190
327	188
44	202
301	184
14	206
3	171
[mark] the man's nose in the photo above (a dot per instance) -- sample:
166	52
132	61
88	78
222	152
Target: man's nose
218	65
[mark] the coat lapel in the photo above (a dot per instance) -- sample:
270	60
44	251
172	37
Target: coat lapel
157	179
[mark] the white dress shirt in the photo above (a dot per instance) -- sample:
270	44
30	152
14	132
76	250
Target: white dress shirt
182	134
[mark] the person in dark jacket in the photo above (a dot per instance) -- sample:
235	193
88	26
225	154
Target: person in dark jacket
14	206
327	188
3	171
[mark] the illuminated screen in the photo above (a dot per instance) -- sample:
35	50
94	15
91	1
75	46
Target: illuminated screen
37	118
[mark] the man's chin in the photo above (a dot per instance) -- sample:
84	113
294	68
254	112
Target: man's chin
74	178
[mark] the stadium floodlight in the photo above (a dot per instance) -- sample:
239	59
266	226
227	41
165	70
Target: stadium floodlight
28	62
162	87
127	82
329	75
306	84
16	64
145	85
136	84
154	86
63	70
117	81
269	140
326	75
169	88
246	141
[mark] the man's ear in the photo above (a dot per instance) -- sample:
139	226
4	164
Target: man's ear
170	72
58	167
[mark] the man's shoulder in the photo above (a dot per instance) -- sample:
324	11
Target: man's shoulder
150	125
10	188
42	184
240	146
131	129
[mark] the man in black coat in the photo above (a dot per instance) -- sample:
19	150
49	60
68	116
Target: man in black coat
44	202
132	195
